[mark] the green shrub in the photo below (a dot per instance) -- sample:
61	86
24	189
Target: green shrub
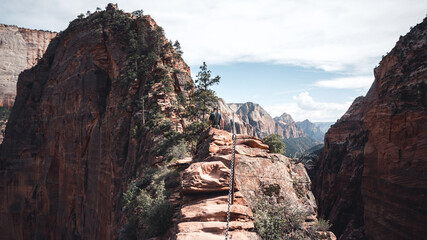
275	143
274	221
4	113
321	225
178	151
145	203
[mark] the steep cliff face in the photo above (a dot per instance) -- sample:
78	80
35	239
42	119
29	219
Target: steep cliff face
311	130
286	127
254	115
83	124
372	181
19	50
227	111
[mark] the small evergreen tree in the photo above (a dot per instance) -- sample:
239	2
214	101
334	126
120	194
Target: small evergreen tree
177	47
275	143
138	13
203	97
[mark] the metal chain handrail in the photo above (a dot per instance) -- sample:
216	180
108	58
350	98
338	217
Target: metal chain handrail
230	191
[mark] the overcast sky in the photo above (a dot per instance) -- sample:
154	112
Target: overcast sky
309	58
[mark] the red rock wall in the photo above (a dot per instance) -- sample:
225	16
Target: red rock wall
70	146
372	180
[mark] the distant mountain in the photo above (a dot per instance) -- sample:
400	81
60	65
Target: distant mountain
254	115
324	126
296	146
311	130
253	120
286	128
227	110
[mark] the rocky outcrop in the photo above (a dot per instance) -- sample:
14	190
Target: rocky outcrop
286	127
227	111
205	186
372	181
20	49
311	130
253	120
83	123
253	114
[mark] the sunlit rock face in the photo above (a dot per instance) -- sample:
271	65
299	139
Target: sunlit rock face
205	185
372	182
20	49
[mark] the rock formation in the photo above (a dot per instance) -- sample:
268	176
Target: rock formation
286	127
255	121
205	186
253	114
372	182
20	49
311	130
82	125
227	111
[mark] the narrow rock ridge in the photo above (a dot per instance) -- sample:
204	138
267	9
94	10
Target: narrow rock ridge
205	185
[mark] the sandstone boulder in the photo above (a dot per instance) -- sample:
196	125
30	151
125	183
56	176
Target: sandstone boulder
206	177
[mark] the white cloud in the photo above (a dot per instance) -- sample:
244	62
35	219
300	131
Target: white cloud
359	82
305	107
331	35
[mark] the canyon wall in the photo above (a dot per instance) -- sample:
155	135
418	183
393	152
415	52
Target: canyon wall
371	182
20	49
83	125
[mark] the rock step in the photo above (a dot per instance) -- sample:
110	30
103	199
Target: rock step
213	227
237	235
214	212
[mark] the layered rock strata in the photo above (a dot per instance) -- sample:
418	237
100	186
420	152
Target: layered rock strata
205	185
241	126
253	114
20	49
372	182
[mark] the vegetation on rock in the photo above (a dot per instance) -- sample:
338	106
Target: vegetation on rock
148	211
4	114
275	221
275	143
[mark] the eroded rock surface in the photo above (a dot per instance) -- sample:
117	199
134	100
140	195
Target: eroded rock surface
372	181
205	186
286	127
20	49
75	134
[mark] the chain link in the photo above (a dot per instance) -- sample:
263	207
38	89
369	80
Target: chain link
230	193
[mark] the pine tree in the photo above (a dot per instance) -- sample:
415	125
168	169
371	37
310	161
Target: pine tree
177	47
204	98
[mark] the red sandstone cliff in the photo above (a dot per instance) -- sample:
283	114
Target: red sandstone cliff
19	50
81	126
372	181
